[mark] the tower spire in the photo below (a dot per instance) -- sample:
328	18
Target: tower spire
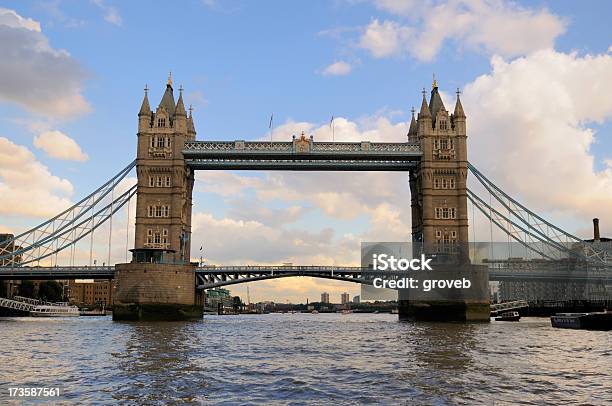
180	106
169	79
458	107
424	113
145	109
413	125
435	101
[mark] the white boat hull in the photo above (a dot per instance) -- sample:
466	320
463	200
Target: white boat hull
39	314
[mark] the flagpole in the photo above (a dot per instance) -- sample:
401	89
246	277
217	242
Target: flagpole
271	127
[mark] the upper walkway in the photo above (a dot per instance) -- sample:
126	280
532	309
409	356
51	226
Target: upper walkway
302	154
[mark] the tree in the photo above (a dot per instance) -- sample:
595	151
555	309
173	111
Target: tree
26	289
50	291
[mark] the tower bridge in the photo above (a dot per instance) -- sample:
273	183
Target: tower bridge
162	282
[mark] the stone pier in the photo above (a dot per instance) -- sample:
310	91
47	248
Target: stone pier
150	291
472	305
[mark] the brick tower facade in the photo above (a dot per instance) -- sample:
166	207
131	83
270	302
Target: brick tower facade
159	283
438	186
165	183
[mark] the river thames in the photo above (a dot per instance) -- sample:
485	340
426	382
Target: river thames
306	359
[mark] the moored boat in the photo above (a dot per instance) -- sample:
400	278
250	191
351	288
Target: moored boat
59	310
508	316
583	321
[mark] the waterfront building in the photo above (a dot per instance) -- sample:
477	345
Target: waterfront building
94	292
217	297
345	298
356	299
325	297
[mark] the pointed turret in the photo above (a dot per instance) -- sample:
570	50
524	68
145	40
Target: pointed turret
180	106
424	113
435	102
412	131
180	115
459	117
145	109
167	101
458	108
190	127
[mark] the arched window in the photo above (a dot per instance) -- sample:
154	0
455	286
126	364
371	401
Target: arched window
161	122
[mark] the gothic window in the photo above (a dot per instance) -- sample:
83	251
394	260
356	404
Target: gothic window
157	238
151	211
450	144
436	144
152	141
451	183
443	125
166	211
161	122
438	233
158	181
168	184
436	183
168	142
445	213
444	143
160	142
151	181
158	211
149	236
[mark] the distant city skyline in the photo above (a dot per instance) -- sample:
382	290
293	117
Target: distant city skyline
534	79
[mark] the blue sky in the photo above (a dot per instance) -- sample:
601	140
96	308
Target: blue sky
240	61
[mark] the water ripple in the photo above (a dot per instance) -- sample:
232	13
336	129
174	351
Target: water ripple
307	359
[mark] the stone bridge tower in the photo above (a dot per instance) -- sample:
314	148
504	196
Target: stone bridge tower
438	186
438	189
165	183
159	283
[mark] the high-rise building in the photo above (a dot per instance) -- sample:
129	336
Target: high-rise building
345	298
324	297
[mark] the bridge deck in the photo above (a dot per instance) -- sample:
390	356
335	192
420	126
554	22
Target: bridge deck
212	276
302	155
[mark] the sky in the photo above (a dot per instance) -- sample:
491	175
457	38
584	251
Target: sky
535	77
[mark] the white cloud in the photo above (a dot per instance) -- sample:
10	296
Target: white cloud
111	14
33	74
338	68
534	113
11	19
385	39
492	26
58	145
26	186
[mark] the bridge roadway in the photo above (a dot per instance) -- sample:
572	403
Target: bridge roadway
215	276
